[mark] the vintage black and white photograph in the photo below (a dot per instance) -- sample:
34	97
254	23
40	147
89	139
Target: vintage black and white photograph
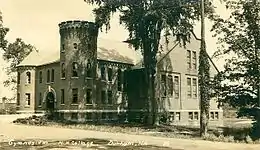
129	75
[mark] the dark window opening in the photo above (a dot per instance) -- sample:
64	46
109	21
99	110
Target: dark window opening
189	59
189	87
103	74
212	115
89	96
75	45
170	85
28	99
40	77
103	97
74	69
176	83
119	80
63	71
62	98
110	74
28	75
40	99
18	77
52	75
75	95
216	115
163	80
48	76
190	115
194	60
18	99
194	84
109	97
63	47
178	116
196	115
89	74
88	116
74	116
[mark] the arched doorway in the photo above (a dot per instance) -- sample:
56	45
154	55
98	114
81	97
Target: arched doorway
50	99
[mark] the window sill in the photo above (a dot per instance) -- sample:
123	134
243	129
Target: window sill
74	77
62	104
40	106
74	104
89	104
63	78
27	106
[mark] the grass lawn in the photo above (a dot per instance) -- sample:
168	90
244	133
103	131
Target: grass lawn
88	144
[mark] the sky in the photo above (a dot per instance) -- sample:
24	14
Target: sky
36	22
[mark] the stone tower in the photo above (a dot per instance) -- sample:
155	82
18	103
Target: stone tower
78	59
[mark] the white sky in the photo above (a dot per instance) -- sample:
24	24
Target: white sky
36	22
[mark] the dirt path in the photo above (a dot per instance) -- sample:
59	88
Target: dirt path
10	131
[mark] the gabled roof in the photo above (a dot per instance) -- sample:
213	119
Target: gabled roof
107	50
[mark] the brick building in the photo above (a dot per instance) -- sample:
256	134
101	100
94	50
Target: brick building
92	79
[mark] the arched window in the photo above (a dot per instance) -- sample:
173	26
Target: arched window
63	71
74	69
28	77
48	76
89	69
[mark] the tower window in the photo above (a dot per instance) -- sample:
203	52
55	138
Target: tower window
40	77
194	84
189	59
18	77
176	86
189	87
75	45
194	60
63	71
48	76
28	77
63	48
28	99
170	85
74	69
52	75
74	95
109	73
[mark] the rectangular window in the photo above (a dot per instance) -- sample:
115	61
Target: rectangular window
189	87
62	116
18	77
103	73
28	99
109	97
75	95
103	116
63	70
110	74
196	115
178	116
62	96
48	76
194	84
176	87
103	97
63	48
163	81
190	115
74	69
89	96
40	99
171	118
110	115
18	99
194	60
212	115
189	59
52	75
170	85
88	116
74	116
216	115
40	77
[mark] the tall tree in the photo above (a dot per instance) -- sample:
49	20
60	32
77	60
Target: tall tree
146	20
239	37
13	53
